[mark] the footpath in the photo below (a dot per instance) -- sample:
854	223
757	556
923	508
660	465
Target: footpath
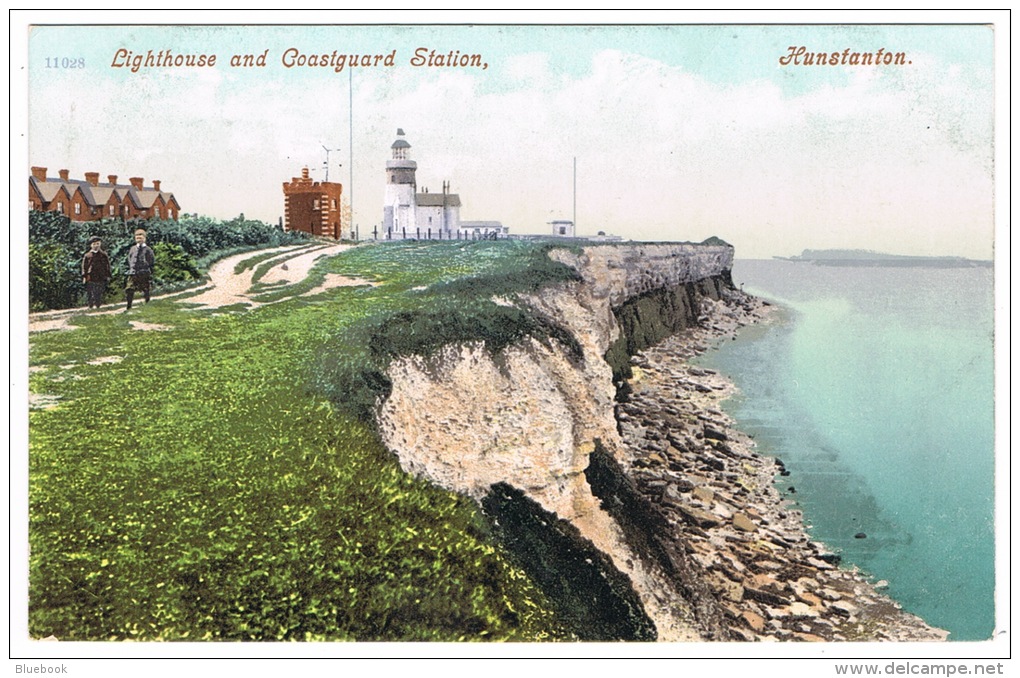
291	265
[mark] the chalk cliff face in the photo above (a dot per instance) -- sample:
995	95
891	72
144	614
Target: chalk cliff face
531	416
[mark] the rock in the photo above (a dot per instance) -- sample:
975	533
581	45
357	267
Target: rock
713	463
698	517
860	535
779	541
722	510
808	637
755	621
724	448
831	558
672	493
733	562
765	597
704	494
742	634
764	581
743	523
733	591
844	608
715	434
799	609
828	594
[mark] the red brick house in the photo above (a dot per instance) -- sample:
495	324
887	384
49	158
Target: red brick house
313	206
90	200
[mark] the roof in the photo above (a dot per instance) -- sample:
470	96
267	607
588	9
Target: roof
48	189
400	143
437	200
100	194
145	198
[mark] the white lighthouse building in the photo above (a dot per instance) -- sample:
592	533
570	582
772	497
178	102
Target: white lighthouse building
408	214
399	203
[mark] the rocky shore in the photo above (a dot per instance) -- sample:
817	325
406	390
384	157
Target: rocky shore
685	456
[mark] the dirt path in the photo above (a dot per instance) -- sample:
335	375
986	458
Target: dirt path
225	288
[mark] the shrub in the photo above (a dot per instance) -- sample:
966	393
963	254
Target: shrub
58	244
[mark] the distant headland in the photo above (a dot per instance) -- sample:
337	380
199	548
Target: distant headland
870	258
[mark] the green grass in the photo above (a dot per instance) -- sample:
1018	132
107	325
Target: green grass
223	480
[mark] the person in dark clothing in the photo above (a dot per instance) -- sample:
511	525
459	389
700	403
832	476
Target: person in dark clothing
141	260
95	272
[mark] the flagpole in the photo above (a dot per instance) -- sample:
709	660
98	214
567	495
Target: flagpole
350	143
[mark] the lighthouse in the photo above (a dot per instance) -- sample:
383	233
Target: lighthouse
401	186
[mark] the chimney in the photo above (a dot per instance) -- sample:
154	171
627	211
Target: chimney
39	173
64	175
155	184
92	178
304	173
137	182
112	178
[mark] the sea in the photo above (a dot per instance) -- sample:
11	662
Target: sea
875	386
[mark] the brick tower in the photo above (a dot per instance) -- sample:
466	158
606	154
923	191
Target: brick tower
313	206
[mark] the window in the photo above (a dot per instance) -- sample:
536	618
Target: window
315	203
60	207
112	210
77	208
159	215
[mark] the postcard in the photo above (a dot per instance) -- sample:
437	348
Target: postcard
662	340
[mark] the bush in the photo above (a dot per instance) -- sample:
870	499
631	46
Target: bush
173	264
58	244
54	280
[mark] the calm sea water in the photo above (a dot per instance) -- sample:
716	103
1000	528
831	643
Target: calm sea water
875	388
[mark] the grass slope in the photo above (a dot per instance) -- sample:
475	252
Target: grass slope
222	480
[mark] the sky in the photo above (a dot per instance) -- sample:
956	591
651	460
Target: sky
680	132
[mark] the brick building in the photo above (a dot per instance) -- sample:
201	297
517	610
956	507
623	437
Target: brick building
313	206
89	200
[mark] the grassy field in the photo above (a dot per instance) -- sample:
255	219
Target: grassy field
221	479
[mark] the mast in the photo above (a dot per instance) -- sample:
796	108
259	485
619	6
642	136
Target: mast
350	143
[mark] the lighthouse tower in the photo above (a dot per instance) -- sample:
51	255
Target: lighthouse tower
399	201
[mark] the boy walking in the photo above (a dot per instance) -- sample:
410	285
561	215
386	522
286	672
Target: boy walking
95	272
140	262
